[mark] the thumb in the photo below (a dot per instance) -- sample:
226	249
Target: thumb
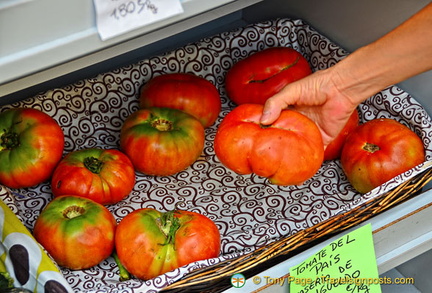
270	114
273	107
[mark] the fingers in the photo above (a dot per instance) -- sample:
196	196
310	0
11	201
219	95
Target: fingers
270	113
274	106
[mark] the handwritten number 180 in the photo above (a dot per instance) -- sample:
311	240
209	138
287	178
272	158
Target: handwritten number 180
134	6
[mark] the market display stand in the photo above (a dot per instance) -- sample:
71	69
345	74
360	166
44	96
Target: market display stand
394	245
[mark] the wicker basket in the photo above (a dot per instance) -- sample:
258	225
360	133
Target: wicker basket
217	278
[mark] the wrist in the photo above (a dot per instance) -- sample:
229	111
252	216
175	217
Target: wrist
357	78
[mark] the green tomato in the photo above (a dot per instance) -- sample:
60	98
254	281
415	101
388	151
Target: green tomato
76	231
162	141
31	145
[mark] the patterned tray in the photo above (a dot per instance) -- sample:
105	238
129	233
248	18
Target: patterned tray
248	210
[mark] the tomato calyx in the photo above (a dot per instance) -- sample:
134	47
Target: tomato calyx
271	76
93	164
169	225
162	124
371	148
73	212
9	140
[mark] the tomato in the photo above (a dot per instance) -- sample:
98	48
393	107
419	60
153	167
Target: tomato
287	152
76	231
379	150
150	243
31	145
105	176
262	74
334	149
162	141
183	91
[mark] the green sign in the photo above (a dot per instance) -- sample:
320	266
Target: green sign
345	265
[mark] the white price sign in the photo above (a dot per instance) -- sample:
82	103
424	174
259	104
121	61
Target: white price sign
116	17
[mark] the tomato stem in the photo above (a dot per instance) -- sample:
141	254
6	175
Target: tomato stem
371	148
73	212
9	140
162	124
124	274
169	226
93	164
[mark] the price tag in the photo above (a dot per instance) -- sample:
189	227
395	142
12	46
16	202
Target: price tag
116	17
345	265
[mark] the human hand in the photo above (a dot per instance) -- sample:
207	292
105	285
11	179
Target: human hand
318	97
329	96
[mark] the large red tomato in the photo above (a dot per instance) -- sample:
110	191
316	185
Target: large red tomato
105	176
287	152
379	150
31	145
334	149
150	243
162	141
183	91
76	231
261	75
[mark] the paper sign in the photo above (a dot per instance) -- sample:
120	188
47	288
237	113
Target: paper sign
116	17
345	265
4	4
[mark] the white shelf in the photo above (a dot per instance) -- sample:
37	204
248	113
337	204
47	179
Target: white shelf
60	37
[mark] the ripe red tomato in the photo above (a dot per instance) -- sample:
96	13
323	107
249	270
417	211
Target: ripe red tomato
162	141
31	145
287	152
105	176
76	231
379	150
261	75
150	243
183	91
334	149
